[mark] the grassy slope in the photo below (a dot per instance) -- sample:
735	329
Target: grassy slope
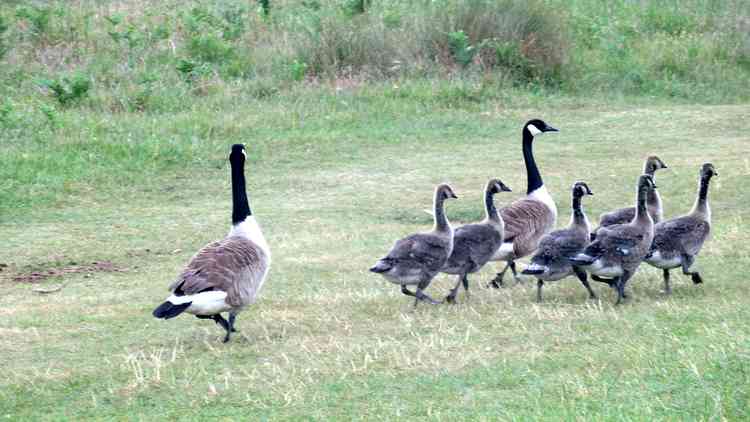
334	180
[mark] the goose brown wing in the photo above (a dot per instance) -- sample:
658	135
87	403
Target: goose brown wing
419	250
618	216
221	265
560	244
526	221
621	237
476	243
682	234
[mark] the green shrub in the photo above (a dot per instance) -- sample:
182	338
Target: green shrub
68	90
38	18
463	52
4	46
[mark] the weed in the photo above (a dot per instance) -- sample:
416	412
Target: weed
68	90
463	52
298	70
38	17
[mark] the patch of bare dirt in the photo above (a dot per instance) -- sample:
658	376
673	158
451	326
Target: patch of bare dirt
94	267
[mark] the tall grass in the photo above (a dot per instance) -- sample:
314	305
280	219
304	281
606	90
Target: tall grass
147	58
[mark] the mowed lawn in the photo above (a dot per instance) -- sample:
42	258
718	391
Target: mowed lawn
333	184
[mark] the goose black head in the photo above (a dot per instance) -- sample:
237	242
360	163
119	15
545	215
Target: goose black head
238	153
497	186
444	191
653	163
581	189
646	182
537	126
708	171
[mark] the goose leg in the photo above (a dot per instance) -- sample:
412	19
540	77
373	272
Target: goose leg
687	261
584	280
451	298
621	282
465	281
420	296
512	265
406	291
610	281
539	285
216	318
230	326
667	288
497	282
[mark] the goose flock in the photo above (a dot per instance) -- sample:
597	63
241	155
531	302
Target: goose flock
226	276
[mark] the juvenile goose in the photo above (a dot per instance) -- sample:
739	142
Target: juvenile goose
416	259
677	241
474	244
531	217
618	250
552	259
653	202
224	276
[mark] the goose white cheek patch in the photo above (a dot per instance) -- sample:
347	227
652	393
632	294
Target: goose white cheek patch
534	130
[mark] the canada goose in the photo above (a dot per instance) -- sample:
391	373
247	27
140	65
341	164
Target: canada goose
224	276
618	250
474	244
417	258
677	241
531	217
653	202
551	261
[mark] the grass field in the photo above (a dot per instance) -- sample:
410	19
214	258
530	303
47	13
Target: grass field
334	183
116	119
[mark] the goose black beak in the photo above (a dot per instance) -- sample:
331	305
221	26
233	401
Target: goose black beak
551	129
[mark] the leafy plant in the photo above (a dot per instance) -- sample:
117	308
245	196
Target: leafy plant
4	48
264	7
191	70
462	51
209	48
6	114
298	69
38	17
68	90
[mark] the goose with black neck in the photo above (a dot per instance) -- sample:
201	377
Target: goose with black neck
531	217
618	250
679	240
226	275
474	244
551	260
417	258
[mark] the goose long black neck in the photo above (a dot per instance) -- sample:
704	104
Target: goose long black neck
489	205
240	206
533	178
641	213
578	216
441	221
701	202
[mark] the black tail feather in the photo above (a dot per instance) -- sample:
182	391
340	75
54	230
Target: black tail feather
169	310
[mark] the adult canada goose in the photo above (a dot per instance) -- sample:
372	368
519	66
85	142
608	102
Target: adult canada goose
224	276
531	217
552	259
416	259
677	241
618	250
653	202
474	244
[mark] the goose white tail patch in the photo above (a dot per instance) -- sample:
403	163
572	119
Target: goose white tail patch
534	130
205	303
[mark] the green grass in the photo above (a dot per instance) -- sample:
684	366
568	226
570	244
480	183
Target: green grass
343	161
334	183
